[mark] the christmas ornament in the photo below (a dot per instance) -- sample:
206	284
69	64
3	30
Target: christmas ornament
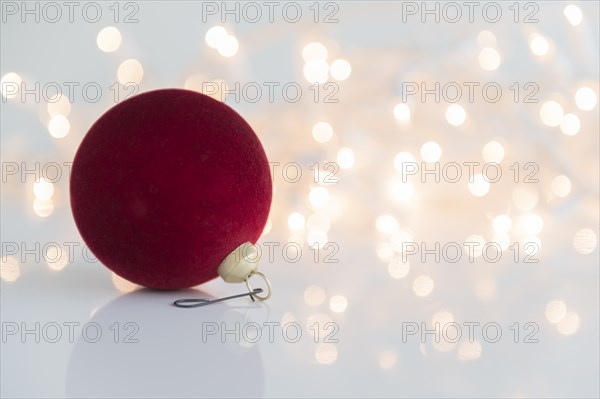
170	189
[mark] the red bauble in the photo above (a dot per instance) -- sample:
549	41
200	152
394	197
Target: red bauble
166	184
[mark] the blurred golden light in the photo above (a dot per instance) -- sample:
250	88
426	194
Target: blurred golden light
531	224
385	252
56	258
9	269
468	351
338	303
502	239
314	295
322	132
551	113
586	98
474	247
585	241
43	189
314	51
398	238
108	39
130	71
387	360
489	59
486	289
442	318
401	191
317	238
318	221
228	46
555	311
569	324
532	249
345	158
59	105
479	186
538	44
493	152
59	126
570	124
318	197
326	353
215	35
502	224
431	151
387	224
403	157
573	14
402	113
296	221
316	71
561	186
340	69
423	286
43	207
525	198
456	115
398	269
12	80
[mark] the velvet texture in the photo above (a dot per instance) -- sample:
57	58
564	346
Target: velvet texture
166	184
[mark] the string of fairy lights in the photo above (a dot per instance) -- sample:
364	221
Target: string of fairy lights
325	205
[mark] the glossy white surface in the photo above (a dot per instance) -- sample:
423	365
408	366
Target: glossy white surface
363	223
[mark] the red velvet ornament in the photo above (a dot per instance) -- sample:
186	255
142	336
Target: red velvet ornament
166	184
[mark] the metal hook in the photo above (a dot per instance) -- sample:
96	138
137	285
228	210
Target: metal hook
197	302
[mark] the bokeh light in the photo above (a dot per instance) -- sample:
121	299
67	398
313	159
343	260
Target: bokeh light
326	353
322	132
402	113
555	311
314	295
569	324
489	59
539	45
345	158
502	223
585	241
423	286
551	113
316	71
59	126
561	186
479	186
215	35
130	71
456	115
586	98
431	151
468	351
10	85
9	268
59	105
338	303
570	124
493	152
109	39
314	51
228	46
340	69
573	14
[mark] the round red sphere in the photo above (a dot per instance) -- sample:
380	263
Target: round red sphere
166	184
